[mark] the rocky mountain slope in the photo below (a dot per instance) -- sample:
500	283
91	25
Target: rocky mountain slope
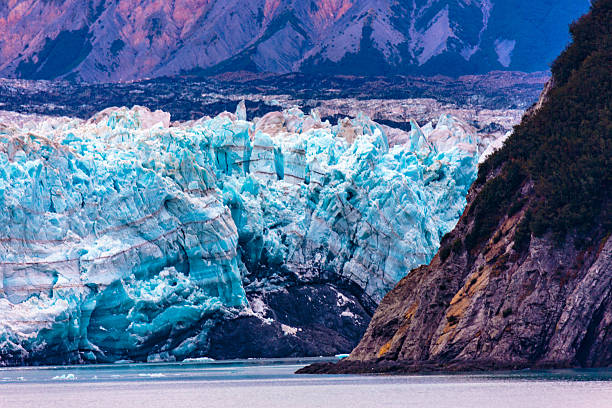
525	278
118	40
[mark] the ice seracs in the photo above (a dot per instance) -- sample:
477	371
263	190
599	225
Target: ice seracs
123	237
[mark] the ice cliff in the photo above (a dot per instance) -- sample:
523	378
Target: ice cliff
128	237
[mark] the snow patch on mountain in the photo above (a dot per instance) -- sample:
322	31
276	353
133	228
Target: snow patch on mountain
504	49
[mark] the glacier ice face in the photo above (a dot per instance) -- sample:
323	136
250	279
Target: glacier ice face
338	200
125	238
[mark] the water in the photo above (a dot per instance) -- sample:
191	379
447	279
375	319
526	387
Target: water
271	383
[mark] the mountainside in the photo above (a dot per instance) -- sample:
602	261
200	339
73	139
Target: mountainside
118	40
525	278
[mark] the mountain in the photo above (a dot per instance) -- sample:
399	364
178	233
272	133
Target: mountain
525	278
120	40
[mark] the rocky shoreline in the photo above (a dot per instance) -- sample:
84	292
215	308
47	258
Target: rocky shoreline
392	367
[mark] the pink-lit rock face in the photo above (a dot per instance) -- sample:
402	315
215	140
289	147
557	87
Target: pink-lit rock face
102	40
135	39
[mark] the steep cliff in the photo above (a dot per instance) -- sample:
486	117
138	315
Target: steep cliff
525	278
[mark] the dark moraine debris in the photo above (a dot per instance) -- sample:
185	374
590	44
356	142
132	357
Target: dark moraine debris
304	321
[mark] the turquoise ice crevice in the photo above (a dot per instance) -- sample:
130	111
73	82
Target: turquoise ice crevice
123	236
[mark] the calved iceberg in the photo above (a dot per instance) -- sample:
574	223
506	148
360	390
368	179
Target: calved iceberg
127	237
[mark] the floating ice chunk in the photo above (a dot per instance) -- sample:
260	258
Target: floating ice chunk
199	360
151	375
65	377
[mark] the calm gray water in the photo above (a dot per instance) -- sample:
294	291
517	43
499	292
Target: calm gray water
271	383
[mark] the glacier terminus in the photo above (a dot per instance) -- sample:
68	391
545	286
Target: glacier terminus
131	237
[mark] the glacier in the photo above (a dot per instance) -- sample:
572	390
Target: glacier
128	236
